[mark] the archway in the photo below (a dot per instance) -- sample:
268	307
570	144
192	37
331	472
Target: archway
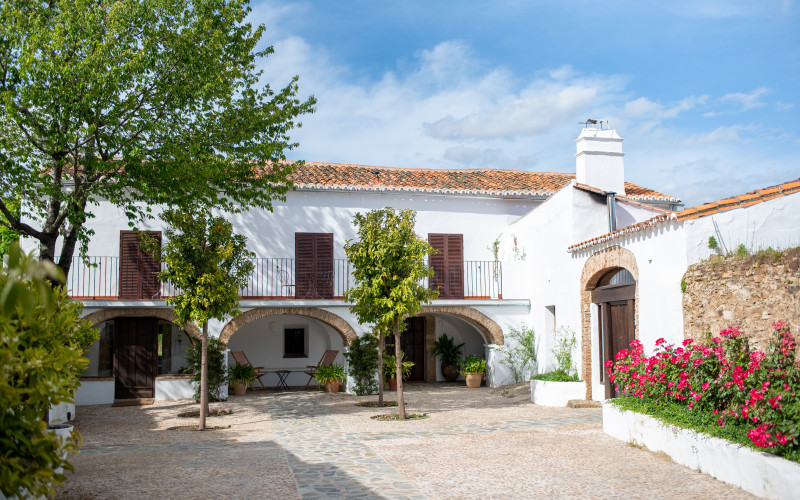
609	292
337	323
164	313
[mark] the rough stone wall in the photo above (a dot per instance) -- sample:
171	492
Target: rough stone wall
750	292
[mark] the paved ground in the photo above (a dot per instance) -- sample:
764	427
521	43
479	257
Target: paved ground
477	443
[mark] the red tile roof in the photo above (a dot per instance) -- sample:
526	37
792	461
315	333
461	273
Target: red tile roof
714	207
493	182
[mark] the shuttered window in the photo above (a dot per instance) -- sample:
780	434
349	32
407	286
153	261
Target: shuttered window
138	271
314	265
447	265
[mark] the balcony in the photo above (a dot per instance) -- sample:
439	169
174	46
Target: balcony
278	279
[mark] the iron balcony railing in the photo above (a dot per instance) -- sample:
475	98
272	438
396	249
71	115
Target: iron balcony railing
98	278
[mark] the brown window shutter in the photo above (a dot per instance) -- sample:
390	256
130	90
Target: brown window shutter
314	265
447	265
137	270
324	265
436	262
151	286
304	260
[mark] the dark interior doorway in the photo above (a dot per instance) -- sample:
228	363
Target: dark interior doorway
135	357
615	296
412	343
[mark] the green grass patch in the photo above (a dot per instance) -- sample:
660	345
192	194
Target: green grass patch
673	413
375	404
393	417
556	376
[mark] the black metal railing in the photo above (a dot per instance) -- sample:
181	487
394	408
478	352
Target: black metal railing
287	278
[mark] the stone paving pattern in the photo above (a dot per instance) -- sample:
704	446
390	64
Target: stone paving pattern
477	443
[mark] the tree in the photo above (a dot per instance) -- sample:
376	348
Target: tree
207	264
43	344
7	235
389	262
137	102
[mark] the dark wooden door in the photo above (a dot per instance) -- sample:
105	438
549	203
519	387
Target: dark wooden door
412	343
313	265
138	271
135	357
447	265
617	334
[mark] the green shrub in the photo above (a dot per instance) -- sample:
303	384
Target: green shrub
243	373
521	358
42	348
556	376
473	364
390	365
712	243
563	348
742	251
362	364
446	348
325	374
217	377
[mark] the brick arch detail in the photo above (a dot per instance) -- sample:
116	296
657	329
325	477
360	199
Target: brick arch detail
596	266
341	326
490	330
164	313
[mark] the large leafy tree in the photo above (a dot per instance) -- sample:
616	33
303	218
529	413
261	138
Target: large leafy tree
137	102
207	264
389	261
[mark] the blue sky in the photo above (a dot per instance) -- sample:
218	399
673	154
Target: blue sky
705	93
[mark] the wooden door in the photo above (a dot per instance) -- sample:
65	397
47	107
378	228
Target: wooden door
447	265
412	343
138	271
135	357
617	332
314	265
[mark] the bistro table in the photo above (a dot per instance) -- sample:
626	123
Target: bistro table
283	374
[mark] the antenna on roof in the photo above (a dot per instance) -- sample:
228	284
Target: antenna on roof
596	124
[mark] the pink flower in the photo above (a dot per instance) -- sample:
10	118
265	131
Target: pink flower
660	341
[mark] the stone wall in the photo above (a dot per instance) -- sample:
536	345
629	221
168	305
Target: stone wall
750	292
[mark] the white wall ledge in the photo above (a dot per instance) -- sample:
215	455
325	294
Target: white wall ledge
759	473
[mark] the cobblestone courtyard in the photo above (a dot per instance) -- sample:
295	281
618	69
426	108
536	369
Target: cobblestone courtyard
476	443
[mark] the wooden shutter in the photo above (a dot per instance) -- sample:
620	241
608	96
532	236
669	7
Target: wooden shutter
138	271
314	265
447	265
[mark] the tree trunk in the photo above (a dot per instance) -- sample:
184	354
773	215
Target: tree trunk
203	378
401	404
381	348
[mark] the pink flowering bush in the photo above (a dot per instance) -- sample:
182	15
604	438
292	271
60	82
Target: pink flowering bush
725	377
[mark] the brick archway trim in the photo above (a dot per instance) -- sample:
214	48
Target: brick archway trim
596	266
139	312
490	330
341	326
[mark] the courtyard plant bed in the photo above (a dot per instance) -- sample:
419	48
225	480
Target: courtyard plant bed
376	404
560	386
396	418
722	387
211	413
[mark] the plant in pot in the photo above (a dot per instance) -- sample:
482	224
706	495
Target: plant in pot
241	375
473	368
330	376
450	353
390	369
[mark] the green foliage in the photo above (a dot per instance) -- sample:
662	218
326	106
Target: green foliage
741	251
42	348
141	103
683	285
390	366
520	358
325	374
362	361
242	373
712	243
217	377
557	376
473	364
446	348
8	235
562	350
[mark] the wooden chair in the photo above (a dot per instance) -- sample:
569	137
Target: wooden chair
241	358
326	360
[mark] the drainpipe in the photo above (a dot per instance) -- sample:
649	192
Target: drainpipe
612	210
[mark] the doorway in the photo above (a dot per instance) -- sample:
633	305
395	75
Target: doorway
412	343
615	298
135	357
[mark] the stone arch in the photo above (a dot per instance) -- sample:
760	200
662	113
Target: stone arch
139	312
490	330
341	326
596	266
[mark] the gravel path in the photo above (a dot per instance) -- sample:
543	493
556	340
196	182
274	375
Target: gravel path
476	443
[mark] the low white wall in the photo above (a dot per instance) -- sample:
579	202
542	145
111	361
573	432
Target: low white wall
759	473
170	389
95	392
61	413
556	393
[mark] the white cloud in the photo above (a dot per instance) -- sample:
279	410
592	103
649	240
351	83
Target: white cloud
745	101
649	110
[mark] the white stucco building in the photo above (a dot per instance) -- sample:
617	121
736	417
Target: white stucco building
585	250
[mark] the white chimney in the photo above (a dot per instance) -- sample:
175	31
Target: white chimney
599	160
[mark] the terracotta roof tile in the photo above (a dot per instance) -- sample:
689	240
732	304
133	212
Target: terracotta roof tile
740	201
493	182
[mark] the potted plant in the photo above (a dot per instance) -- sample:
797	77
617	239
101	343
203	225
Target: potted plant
330	376
241	375
450	353
473	368
390	369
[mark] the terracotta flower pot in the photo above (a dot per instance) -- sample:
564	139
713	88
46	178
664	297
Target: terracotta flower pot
332	386
392	383
473	379
449	372
239	387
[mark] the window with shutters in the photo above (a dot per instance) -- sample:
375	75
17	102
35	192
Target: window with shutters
138	271
448	265
313	265
295	343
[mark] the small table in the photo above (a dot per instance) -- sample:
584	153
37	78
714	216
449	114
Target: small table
282	374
